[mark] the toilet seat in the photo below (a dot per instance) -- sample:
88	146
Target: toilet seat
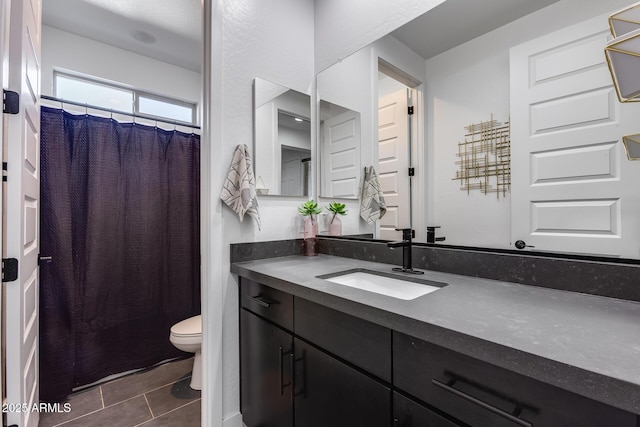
191	327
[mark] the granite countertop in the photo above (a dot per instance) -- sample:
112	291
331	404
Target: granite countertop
586	344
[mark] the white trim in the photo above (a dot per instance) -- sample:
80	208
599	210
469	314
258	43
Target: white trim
211	215
234	420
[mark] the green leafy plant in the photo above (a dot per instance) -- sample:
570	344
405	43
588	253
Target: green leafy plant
337	209
309	208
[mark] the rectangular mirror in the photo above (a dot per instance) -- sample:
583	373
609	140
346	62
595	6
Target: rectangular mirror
282	132
569	193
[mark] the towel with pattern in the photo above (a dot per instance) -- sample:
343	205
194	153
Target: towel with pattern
372	204
239	190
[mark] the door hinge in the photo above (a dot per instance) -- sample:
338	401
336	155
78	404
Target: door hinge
5	167
410	110
412	171
10	102
9	269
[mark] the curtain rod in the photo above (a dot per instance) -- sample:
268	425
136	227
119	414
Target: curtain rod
108	110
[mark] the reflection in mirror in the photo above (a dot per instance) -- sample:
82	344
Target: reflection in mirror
339	151
632	146
282	140
477	69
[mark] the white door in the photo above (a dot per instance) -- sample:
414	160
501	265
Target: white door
393	163
340	159
4	58
22	210
572	188
292	173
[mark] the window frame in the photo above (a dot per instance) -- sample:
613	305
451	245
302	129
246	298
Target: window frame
136	95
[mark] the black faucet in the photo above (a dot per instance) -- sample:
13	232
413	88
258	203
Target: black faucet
431	235
405	244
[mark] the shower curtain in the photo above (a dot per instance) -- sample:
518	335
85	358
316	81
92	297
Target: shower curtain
120	216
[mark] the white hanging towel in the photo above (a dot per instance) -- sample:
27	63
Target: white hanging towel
239	190
372	204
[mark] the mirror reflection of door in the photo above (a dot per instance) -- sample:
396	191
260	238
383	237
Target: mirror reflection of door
394	155
294	136
339	151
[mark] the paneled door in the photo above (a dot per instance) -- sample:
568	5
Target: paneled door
4	58
573	190
22	211
393	162
340	156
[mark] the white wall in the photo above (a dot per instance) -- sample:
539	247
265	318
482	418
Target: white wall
465	85
65	51
272	40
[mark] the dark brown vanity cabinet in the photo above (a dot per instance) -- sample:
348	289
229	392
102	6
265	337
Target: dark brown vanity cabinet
306	365
289	376
481	394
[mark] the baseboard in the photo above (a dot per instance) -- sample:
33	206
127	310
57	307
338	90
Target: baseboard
234	420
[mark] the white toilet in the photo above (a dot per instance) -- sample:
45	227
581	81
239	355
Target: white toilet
187	336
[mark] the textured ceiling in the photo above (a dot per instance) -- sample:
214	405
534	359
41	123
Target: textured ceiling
173	26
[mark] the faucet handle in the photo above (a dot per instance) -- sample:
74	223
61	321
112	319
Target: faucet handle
407	233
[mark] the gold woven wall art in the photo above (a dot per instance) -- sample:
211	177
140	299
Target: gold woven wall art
484	158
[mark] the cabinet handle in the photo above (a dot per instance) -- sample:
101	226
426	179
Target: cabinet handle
263	301
448	387
280	363
303	392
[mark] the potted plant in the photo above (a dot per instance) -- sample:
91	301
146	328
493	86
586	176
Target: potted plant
309	209
335	224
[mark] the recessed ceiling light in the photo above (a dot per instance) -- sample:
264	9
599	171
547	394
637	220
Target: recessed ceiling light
298	119
143	36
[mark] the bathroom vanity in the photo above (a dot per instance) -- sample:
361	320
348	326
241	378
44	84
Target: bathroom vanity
474	352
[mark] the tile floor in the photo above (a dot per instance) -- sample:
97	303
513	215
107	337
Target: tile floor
157	397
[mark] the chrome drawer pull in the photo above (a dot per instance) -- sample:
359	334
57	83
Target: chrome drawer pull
448	387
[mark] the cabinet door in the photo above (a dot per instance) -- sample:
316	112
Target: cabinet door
265	366
330	393
407	413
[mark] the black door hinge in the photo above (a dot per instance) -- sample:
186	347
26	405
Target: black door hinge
10	102
410	110
9	269
412	171
5	167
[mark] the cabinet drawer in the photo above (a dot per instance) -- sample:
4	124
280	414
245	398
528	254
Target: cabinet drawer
272	304
357	341
481	394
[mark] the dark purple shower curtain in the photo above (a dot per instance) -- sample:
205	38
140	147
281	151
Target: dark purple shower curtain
120	216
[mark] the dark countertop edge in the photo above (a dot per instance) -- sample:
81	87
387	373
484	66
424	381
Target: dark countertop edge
570	378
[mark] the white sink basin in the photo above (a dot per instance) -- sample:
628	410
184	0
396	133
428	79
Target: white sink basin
383	284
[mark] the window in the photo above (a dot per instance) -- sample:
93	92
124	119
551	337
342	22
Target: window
120	98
